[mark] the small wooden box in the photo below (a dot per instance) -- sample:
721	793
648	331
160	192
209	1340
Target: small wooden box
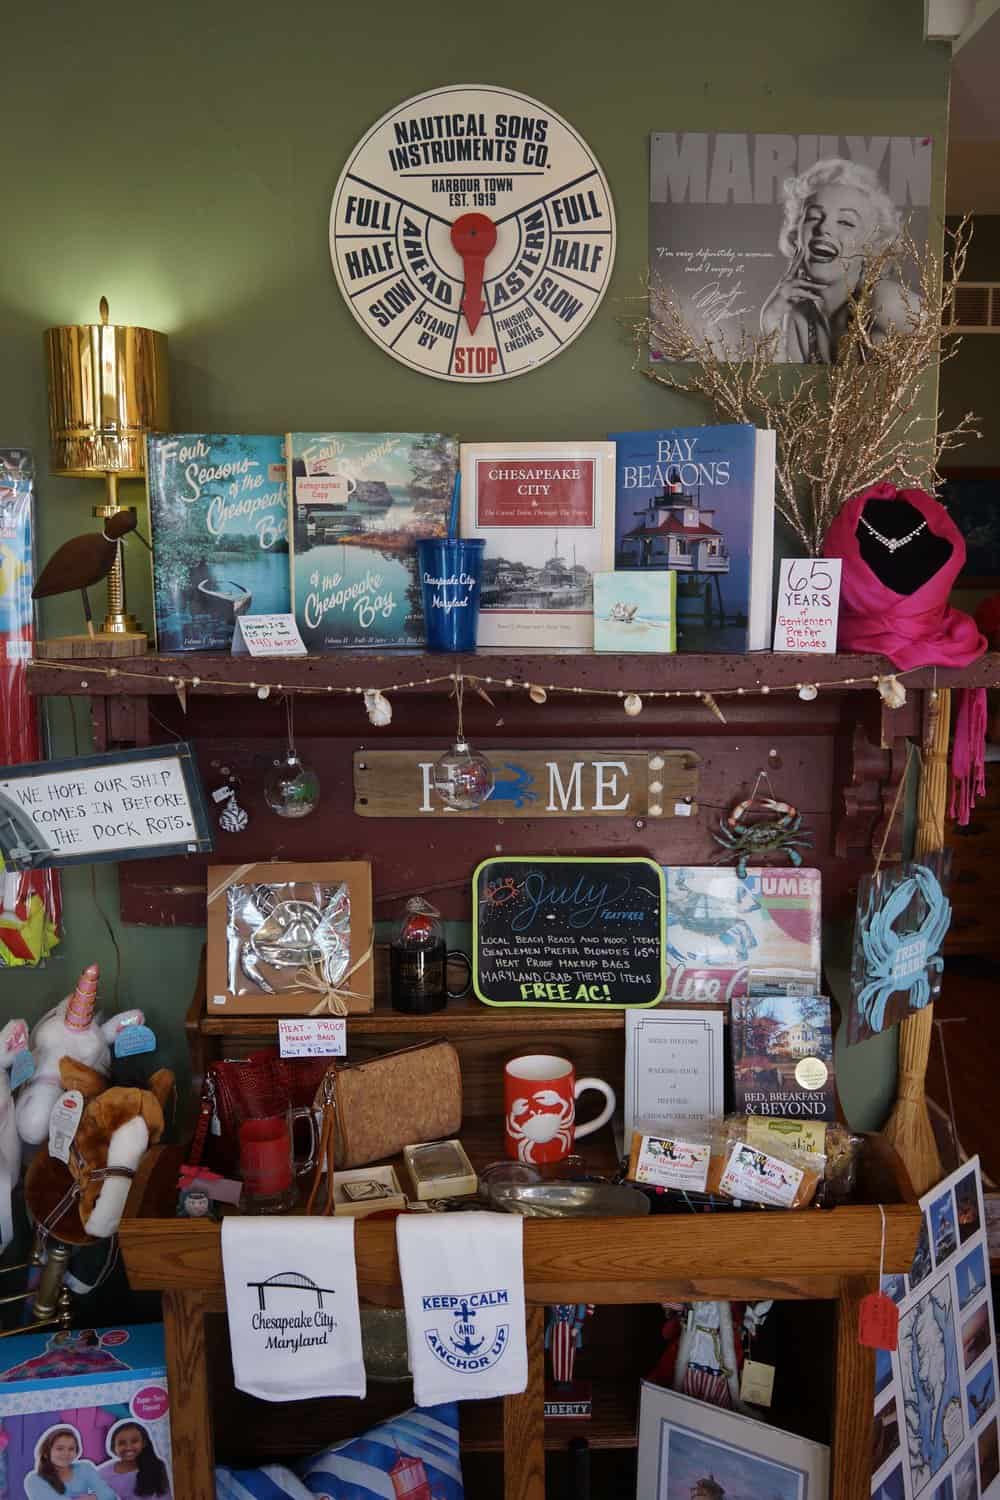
358	987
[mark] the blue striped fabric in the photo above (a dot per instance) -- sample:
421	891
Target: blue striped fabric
272	1482
413	1454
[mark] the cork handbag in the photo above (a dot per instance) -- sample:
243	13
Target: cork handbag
389	1102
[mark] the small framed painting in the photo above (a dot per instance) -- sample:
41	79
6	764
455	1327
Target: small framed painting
689	1450
635	611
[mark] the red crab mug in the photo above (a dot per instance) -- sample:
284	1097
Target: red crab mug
540	1094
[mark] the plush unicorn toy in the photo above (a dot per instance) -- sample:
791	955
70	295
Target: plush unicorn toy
67	1031
13	1039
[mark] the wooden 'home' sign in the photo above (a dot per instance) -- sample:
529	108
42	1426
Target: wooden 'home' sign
536	784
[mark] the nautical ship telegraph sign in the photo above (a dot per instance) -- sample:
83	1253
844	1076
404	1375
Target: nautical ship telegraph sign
472	233
536	784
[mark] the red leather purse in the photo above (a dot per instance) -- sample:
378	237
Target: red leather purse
264	1084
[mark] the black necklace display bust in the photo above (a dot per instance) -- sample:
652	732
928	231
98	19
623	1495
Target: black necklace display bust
908	567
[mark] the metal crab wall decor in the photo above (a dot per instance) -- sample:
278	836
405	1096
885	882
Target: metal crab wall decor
778	831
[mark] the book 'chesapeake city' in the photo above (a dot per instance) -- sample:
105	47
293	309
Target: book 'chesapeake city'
546	514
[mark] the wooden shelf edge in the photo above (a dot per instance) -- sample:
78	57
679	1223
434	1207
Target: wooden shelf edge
653	1259
715	673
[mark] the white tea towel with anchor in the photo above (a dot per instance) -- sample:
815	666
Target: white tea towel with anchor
463	1290
292	1299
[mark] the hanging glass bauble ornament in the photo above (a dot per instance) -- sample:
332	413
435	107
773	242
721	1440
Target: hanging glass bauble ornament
292	789
462	778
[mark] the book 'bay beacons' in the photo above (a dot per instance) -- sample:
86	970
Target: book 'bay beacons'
699	501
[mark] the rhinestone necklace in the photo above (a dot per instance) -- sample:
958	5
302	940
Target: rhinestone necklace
892	543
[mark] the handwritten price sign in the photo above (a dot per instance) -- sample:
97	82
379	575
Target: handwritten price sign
313	1036
808	604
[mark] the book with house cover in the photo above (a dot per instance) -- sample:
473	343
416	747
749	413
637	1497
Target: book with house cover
546	512
699	501
358	502
219	530
720	928
782	1049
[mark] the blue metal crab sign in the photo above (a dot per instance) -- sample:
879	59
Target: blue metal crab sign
536	784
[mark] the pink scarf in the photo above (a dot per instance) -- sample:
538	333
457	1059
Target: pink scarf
915	630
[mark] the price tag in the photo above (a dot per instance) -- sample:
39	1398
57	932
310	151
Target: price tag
808	604
21	1069
313	1036
878	1322
757	1383
267	635
64	1122
132	1040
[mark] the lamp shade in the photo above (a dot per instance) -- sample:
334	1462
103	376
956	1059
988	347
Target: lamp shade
107	389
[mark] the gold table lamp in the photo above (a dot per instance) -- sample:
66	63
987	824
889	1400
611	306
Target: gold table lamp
107	389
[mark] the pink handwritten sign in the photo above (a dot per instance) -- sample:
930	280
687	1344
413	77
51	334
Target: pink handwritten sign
808	604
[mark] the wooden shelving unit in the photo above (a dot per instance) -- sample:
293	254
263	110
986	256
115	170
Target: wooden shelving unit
839	757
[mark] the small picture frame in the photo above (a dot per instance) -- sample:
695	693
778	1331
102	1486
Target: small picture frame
688	1448
635	611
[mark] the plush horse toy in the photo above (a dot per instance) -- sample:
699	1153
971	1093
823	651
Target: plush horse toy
13	1039
117	1127
67	1031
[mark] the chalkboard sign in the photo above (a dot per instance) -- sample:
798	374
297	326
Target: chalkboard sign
553	931
128	804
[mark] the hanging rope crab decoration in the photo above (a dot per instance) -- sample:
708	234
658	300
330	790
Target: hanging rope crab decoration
749	839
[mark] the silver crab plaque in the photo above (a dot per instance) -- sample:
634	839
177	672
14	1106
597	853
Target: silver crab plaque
274	931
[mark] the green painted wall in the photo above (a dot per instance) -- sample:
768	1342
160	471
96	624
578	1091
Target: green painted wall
180	160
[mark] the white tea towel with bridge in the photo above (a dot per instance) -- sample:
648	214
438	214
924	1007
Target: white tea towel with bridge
463	1290
292	1299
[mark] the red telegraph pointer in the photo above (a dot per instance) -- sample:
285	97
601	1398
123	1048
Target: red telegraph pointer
473	236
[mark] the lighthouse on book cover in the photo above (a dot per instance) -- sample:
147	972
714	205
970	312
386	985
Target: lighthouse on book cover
699	502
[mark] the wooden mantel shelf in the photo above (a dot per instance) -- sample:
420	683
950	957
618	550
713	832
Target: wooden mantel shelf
659	1259
151	675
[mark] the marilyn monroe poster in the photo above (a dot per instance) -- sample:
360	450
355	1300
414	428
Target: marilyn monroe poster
765	233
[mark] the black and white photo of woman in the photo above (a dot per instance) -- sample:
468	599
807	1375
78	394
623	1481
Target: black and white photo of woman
836	216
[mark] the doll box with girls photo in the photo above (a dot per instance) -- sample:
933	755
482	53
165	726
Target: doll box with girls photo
86	1409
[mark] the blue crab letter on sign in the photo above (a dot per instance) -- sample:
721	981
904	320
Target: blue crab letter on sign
901	922
514	788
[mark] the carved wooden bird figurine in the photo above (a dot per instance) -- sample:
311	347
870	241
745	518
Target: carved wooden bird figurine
85	560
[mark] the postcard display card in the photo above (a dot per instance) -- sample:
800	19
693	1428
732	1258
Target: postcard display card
720	927
546	514
699	502
91	1381
219	523
936	1431
358	504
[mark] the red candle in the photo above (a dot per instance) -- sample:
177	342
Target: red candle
265	1156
